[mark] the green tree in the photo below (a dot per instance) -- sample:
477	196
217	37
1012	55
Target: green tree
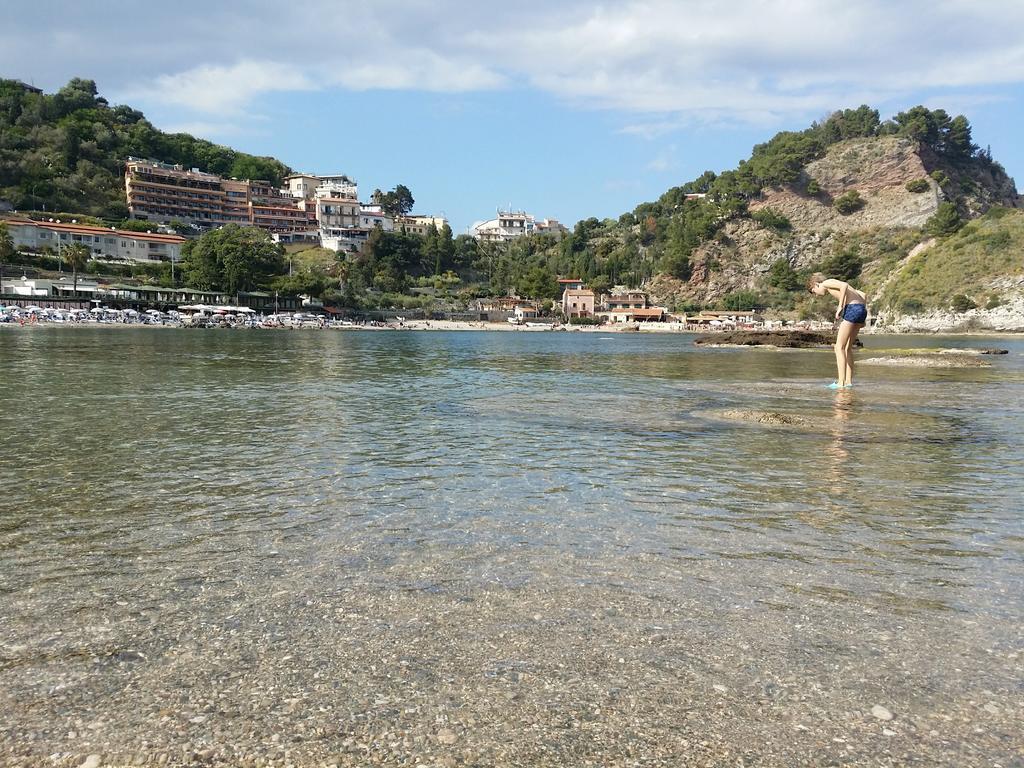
232	259
845	264
782	275
398	202
740	300
917	185
945	221
538	283
77	256
771	219
7	250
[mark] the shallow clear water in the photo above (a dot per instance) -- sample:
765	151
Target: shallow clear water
182	509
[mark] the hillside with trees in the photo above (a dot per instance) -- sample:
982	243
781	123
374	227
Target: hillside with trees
849	196
66	151
852	196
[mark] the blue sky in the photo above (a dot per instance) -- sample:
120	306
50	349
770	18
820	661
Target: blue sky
565	109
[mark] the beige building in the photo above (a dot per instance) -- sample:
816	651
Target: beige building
301	184
419	225
103	243
162	192
578	302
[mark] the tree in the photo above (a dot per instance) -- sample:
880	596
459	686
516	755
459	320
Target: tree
7	250
398	202
843	265
783	276
538	283
740	300
945	221
232	259
77	256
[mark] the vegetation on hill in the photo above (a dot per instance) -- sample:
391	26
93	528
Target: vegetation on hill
66	151
803	201
706	216
964	264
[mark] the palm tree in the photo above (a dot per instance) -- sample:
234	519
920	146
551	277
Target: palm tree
6	250
78	256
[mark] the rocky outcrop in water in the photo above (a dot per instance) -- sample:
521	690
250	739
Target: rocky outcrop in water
787	339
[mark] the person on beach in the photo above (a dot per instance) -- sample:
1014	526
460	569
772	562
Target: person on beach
853	311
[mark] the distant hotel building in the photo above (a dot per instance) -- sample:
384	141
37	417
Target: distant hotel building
162	192
310	208
514	224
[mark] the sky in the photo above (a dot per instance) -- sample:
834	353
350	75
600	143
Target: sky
565	109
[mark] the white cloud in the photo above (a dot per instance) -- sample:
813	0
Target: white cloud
224	90
664	160
661	62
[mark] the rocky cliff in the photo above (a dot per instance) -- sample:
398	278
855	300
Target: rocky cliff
882	234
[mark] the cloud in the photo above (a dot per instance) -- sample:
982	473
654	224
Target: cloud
664	160
660	63
224	90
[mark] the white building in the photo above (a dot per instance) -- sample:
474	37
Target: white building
103	243
49	289
371	216
344	239
508	226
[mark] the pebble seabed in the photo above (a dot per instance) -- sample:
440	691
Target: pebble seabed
550	673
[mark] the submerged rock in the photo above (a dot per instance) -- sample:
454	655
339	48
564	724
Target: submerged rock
773	418
787	339
929	361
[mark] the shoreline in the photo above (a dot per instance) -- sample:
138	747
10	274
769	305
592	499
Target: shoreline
489	327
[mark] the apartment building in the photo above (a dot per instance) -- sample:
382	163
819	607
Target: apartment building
111	244
510	225
419	225
162	192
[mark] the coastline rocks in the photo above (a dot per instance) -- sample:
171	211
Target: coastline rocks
942	360
786	339
1008	317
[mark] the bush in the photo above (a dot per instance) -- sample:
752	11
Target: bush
813	188
962	303
848	202
997	212
771	219
911	306
918	185
993	302
783	276
945	221
940	177
845	265
739	300
576	320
